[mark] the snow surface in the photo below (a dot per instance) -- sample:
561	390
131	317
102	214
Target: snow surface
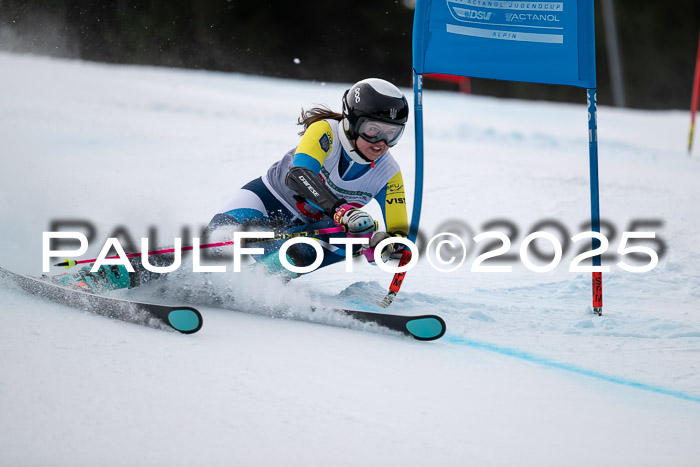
526	374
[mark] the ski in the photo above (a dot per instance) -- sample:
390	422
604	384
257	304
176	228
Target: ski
184	319
423	328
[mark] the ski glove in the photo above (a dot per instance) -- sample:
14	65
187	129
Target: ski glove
390	251
357	222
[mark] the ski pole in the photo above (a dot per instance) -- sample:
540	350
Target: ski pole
397	281
304	233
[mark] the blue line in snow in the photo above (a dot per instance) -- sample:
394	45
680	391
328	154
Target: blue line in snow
568	367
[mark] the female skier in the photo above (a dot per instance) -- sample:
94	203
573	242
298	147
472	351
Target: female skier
341	163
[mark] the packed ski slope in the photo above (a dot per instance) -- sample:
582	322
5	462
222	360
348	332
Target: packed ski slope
526	374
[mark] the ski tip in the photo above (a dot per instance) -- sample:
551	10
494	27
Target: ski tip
186	320
426	328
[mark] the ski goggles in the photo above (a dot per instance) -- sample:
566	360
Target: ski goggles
375	131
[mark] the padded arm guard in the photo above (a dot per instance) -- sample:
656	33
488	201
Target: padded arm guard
309	186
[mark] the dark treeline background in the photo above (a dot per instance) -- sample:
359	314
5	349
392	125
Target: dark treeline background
335	41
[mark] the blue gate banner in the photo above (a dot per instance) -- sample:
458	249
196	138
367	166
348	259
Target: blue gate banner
549	42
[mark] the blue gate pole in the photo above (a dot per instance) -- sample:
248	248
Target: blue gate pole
595	196
418	120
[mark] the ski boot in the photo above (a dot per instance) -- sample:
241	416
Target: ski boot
107	277
272	266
